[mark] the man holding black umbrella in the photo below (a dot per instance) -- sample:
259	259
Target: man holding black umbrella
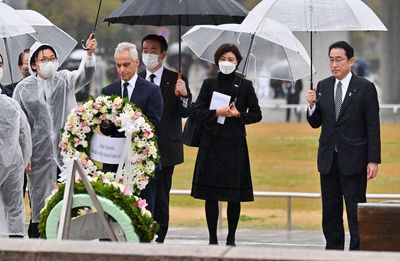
176	96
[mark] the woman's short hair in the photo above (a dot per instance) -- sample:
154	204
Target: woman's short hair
226	48
125	46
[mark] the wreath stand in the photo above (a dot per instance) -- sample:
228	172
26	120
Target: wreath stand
65	218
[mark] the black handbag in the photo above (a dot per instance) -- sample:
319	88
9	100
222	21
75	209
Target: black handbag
192	132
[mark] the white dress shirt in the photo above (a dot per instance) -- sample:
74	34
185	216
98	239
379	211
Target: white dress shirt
130	87
345	85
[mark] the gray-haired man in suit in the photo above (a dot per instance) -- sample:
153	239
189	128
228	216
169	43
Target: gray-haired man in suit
144	94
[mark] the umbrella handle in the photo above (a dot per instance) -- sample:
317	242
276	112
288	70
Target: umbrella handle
177	93
83	42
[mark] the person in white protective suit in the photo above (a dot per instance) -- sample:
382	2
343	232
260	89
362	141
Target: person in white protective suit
15	153
47	97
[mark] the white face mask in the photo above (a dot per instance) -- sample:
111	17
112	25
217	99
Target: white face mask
150	60
1	73
48	69
226	67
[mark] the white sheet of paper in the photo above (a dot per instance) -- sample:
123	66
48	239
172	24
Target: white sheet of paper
219	100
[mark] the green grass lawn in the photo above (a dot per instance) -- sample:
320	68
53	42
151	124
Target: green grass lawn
283	158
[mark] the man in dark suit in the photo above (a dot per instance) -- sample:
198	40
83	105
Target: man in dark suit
293	97
144	94
346	106
176	96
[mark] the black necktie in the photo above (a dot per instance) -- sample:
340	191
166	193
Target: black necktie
338	99
152	76
125	94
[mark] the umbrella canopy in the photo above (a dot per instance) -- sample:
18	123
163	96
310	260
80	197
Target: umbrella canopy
317	15
271	50
45	32
12	25
177	12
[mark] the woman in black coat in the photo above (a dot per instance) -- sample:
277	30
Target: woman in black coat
222	170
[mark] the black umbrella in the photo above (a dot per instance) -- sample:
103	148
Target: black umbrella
177	12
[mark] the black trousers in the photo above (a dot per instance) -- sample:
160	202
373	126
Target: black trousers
163	183
334	187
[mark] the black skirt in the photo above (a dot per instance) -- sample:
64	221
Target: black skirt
222	170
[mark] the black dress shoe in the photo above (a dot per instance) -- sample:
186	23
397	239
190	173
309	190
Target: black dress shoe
230	242
16	236
213	241
33	230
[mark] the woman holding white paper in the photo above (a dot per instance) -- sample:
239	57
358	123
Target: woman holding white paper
222	170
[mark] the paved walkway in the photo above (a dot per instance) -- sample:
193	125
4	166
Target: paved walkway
251	237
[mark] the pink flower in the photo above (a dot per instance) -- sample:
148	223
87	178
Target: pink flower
97	105
136	114
141	203
76	140
80	110
63	145
125	190
85	161
145	152
70	125
148	134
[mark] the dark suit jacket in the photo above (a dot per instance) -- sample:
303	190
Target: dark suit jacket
357	130
170	128
146	96
6	91
294	98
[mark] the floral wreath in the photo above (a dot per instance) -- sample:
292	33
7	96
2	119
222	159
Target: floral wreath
142	221
84	119
75	143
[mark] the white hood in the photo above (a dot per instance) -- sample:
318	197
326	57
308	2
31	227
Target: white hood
33	49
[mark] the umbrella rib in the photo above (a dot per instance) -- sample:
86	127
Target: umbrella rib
289	65
354	14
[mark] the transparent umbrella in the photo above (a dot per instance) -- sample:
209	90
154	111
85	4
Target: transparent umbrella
317	15
47	32
264	48
12	25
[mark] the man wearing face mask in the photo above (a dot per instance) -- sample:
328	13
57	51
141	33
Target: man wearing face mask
176	96
47	97
4	89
